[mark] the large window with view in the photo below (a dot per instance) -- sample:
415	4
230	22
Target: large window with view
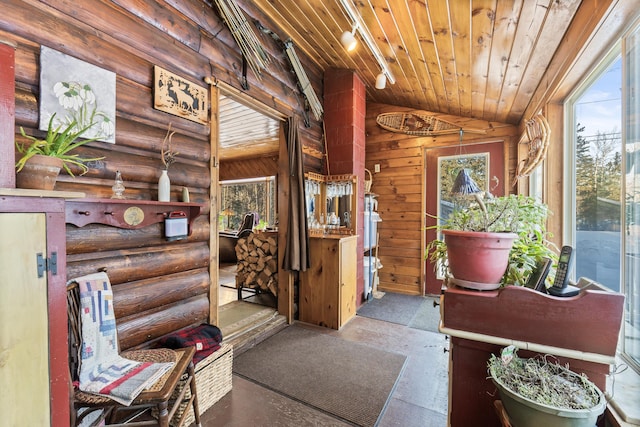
240	197
603	172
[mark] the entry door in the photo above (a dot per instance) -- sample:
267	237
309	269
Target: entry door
486	162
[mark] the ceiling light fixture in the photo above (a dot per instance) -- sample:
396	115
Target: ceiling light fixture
367	38
381	81
348	39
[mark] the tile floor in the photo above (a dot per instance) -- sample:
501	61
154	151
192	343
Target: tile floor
419	398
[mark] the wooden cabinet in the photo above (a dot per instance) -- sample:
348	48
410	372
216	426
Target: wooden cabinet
482	323
33	315
328	287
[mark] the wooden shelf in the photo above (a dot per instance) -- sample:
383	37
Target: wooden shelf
23	192
129	214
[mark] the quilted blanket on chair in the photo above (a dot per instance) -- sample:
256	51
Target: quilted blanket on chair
103	370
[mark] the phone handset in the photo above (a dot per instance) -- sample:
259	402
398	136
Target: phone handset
561	287
565	262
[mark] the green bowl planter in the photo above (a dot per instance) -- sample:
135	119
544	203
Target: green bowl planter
524	412
478	260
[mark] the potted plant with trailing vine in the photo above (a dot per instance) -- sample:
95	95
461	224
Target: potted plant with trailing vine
493	241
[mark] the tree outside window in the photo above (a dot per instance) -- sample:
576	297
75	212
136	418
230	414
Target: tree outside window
241	197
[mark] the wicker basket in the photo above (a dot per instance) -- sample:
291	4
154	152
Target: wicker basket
213	381
368	181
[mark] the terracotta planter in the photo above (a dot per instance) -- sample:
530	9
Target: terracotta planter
478	260
40	173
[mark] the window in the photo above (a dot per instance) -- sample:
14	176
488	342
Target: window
476	165
240	197
631	218
603	176
598	176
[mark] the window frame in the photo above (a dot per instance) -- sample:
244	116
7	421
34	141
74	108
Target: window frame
271	183
569	162
569	212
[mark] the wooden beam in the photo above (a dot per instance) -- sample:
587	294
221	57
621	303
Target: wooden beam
214	165
553	173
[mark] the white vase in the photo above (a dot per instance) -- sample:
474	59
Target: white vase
164	187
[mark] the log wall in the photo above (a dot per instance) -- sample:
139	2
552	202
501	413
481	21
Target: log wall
158	286
400	188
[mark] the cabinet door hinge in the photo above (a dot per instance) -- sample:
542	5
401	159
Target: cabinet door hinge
47	264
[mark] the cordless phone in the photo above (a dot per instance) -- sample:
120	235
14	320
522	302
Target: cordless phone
561	287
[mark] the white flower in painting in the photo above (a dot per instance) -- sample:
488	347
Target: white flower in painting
61	89
81	106
87	94
68	94
107	127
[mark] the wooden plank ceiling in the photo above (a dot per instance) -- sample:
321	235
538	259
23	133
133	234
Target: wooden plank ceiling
245	132
474	58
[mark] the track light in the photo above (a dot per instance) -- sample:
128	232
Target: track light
381	81
368	40
348	40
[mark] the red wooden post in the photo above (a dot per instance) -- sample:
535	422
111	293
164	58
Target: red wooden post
7	115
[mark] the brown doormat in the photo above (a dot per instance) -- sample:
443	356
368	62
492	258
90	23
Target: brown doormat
349	380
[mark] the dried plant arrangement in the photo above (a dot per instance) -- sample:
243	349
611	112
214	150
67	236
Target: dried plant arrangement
543	381
167	155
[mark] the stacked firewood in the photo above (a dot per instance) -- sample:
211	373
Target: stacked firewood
258	262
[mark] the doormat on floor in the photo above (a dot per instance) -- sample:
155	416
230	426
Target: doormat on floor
394	308
349	380
427	318
239	316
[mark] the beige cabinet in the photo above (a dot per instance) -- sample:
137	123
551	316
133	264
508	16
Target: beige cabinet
328	287
33	334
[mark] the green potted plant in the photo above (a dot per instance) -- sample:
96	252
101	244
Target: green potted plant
493	241
42	159
538	392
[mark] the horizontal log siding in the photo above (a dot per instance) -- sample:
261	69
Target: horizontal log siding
158	286
399	187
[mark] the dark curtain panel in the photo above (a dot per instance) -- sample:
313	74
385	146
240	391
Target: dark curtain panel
296	254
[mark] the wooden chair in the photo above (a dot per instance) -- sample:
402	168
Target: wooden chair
247	225
161	402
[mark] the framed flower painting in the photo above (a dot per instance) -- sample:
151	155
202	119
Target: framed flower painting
77	92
